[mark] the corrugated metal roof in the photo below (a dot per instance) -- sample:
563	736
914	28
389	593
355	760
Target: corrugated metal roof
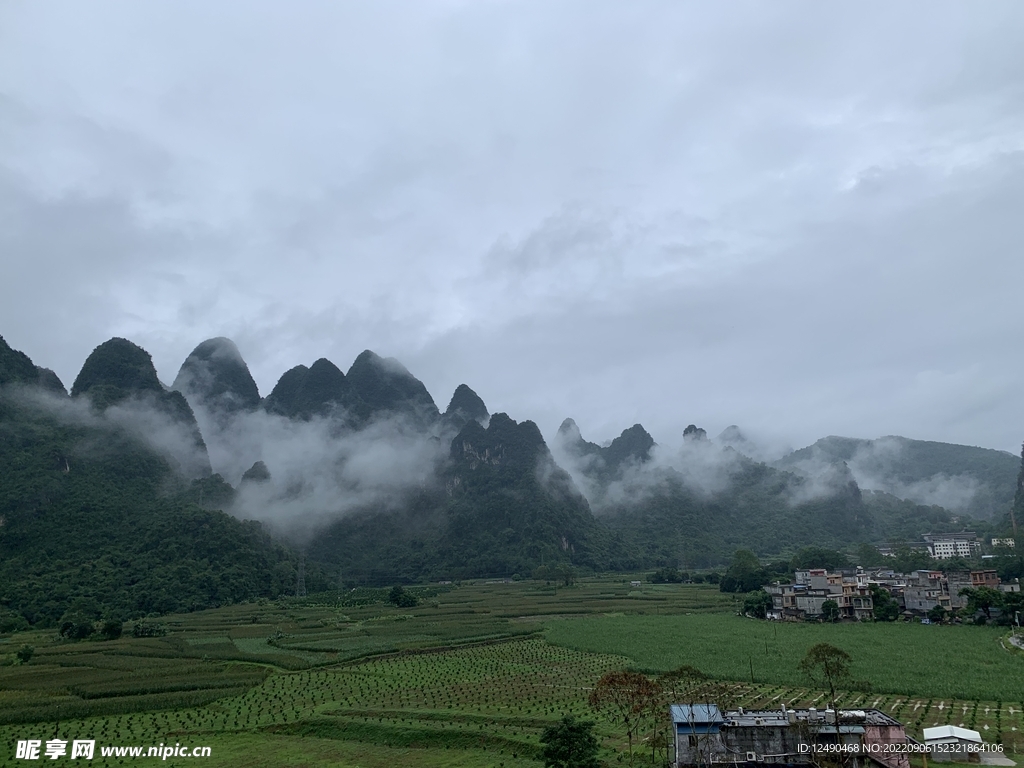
696	714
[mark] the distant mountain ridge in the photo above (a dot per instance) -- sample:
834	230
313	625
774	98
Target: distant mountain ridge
385	487
320	390
965	479
632	447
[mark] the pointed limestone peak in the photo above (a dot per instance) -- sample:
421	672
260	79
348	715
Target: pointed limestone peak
569	431
320	390
693	433
570	439
283	398
466	406
118	371
115	370
504	442
633	444
325	383
215	375
257	473
386	386
16	367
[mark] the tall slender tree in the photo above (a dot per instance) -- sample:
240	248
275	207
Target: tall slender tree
629	700
827	666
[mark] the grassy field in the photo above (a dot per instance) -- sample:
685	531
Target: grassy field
963	662
465	678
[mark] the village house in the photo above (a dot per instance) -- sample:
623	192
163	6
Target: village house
706	736
986	578
804	598
917	592
924	591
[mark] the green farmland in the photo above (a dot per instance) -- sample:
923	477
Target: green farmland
469	677
964	662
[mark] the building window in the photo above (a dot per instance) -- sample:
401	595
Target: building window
692	741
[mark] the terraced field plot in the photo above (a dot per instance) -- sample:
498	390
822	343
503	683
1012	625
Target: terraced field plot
483	705
484	688
493	700
211	654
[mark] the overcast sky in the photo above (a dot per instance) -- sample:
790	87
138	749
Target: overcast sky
802	218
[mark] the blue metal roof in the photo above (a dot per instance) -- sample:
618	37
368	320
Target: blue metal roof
696	714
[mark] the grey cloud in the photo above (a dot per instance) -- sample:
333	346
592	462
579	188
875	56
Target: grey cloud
800	220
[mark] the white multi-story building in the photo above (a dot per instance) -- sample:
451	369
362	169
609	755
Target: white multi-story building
944	546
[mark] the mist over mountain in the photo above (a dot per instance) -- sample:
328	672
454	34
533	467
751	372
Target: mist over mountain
974	481
499	506
389	389
693	504
215	375
362	473
320	390
118	379
594	467
106	506
753	447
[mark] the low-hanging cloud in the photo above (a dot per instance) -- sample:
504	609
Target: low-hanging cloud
138	416
701	466
319	469
873	465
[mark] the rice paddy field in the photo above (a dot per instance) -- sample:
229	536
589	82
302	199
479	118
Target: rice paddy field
470	677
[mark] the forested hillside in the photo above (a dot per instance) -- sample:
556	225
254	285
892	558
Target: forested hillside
95	520
127	497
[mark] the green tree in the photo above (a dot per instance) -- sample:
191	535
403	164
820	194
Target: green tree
75	625
1012	607
827	666
111	629
24	654
884	607
570	744
399	597
907	558
668	575
982	599
745	573
830	611
757	604
819	557
868	555
937	614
